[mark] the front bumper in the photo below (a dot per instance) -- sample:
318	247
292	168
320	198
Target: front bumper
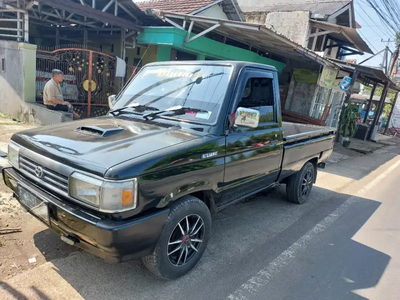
112	240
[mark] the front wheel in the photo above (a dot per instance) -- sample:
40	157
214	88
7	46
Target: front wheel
299	185
183	241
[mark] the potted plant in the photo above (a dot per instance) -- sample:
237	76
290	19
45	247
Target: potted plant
348	124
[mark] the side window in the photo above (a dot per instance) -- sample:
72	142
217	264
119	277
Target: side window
259	95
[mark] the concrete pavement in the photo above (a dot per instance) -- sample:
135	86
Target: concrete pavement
339	245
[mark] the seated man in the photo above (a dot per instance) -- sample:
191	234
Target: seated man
52	95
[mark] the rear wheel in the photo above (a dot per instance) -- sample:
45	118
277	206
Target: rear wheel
299	185
183	241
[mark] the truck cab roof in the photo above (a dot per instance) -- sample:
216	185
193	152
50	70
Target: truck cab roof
235	64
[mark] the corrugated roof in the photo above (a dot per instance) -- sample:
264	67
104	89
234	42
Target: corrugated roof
230	7
259	36
85	10
232	10
367	73
179	6
323	7
345	34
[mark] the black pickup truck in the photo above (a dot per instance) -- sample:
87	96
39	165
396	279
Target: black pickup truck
182	140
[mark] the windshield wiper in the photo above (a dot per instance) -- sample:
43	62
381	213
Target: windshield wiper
142	108
176	110
137	109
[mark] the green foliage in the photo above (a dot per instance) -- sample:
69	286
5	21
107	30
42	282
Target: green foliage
349	118
386	111
378	92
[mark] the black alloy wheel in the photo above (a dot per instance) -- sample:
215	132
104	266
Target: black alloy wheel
299	185
185	240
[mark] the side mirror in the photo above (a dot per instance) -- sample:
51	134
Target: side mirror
247	117
111	100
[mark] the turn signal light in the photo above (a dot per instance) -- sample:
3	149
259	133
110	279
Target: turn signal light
127	197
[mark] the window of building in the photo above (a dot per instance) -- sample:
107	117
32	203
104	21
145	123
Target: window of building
321	100
329	52
319	45
259	95
316	43
181	55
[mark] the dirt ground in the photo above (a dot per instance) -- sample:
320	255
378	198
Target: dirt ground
35	240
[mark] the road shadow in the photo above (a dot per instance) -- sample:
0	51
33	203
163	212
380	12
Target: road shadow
51	245
333	266
6	288
246	238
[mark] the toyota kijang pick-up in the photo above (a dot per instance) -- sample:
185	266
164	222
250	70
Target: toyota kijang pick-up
182	140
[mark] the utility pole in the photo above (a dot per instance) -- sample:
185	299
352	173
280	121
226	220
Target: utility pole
392	72
385	63
395	57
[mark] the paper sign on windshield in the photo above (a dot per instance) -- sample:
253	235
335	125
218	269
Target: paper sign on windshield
178	74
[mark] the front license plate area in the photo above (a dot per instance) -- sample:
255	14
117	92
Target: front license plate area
34	205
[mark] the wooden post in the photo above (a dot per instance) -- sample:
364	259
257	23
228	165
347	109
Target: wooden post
85	38
57	37
378	111
370	103
26	27
391	112
89	99
123	53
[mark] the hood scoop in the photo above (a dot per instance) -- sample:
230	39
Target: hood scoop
99	131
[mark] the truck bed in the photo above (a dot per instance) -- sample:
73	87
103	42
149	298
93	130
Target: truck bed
303	143
293	132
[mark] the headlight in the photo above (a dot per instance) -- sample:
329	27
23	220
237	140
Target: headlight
13	155
107	196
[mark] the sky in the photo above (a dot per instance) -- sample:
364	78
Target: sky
372	31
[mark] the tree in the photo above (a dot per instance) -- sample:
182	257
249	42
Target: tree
378	92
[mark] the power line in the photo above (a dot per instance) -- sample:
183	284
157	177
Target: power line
384	22
368	41
387	13
377	26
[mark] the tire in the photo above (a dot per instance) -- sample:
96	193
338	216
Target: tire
169	262
299	185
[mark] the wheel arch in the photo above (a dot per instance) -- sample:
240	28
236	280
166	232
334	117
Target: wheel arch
207	197
203	193
314	162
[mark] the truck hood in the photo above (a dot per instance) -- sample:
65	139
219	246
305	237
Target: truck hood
95	145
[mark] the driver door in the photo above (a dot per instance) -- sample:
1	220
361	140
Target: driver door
253	155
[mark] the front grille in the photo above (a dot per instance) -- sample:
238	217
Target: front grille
58	181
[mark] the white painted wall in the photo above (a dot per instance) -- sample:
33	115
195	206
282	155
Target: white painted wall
17	81
214	11
294	24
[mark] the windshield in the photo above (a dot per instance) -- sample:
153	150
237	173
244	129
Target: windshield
201	88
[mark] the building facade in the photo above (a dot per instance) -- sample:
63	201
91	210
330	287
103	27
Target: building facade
326	27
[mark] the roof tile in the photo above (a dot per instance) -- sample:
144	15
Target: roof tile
178	6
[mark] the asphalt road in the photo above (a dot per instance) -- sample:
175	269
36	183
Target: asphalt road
341	244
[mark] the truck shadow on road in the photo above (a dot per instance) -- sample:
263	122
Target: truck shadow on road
247	238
